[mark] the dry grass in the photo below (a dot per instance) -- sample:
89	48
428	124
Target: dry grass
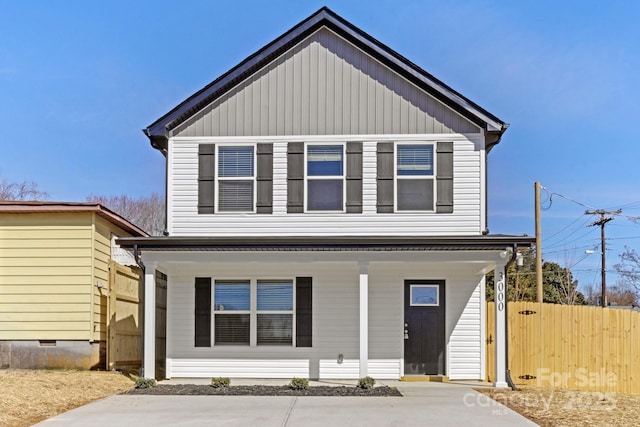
555	407
28	397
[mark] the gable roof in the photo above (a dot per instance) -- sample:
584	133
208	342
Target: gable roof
24	207
158	131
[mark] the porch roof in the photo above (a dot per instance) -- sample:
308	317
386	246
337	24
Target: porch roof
327	243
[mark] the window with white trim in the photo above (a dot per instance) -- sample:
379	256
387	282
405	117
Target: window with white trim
325	177
235	173
415	177
244	309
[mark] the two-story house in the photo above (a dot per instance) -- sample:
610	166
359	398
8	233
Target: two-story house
326	218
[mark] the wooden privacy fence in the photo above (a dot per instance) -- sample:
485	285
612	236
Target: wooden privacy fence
124	346
571	347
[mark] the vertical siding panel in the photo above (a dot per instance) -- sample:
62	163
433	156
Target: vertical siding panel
413	112
273	98
256	105
246	124
288	94
264	102
404	108
396	105
305	87
342	92
224	117
297	93
378	100
280	97
355	77
207	127
330	100
325	90
313	88
215	122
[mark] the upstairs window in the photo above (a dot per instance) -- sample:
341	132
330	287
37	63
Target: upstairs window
236	179
325	178
414	177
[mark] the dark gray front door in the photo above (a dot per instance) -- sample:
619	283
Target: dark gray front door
424	343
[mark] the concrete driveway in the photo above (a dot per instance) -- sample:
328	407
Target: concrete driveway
438	404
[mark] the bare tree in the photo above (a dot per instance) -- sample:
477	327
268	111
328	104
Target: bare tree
629	268
26	190
145	212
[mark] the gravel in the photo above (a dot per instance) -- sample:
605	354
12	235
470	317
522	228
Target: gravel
263	390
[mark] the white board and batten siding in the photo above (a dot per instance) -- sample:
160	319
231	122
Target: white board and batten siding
335	323
184	220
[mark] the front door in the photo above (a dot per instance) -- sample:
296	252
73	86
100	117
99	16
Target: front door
424	343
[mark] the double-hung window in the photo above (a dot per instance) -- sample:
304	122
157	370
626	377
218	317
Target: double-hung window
414	177
232	312
325	178
274	312
236	179
250	312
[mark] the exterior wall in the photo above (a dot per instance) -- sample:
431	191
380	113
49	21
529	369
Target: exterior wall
324	86
52	314
335	322
59	354
45	276
467	218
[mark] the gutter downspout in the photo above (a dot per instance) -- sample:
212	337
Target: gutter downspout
514	257
141	308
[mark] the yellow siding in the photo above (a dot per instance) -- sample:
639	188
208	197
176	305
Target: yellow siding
45	276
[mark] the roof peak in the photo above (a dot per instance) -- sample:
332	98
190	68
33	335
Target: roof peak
158	132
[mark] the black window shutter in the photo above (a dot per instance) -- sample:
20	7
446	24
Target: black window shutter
303	312
444	177
354	177
203	312
295	177
206	178
264	178
385	177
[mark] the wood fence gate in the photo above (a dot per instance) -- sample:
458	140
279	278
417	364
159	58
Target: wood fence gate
124	346
571	347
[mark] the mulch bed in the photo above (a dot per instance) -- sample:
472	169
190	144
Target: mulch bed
262	390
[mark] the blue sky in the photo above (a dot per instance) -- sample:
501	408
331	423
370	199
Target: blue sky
78	80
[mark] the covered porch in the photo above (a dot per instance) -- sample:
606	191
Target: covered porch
372	308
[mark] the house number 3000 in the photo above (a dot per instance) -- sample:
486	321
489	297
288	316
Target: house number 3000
500	293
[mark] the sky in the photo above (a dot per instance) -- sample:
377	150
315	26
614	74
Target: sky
79	80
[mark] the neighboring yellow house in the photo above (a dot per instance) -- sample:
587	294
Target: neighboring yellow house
55	282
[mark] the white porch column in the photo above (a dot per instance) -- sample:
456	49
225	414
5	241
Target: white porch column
501	320
364	318
149	360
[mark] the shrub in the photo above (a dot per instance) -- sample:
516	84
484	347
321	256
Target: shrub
299	383
142	382
366	383
220	382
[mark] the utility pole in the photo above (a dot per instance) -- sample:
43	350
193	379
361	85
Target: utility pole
538	243
601	222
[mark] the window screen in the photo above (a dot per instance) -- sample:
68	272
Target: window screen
275	312
414	183
325	177
236	179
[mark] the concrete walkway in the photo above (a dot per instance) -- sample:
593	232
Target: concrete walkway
437	404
